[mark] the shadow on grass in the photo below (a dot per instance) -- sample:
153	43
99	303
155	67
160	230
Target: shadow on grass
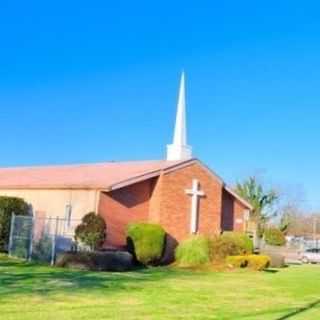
21	278
271	270
308	307
289	312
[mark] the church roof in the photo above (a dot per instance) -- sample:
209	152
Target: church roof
85	176
103	176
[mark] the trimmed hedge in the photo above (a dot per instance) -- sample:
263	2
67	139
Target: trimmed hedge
9	205
237	261
254	262
147	242
116	261
274	237
258	262
193	252
230	244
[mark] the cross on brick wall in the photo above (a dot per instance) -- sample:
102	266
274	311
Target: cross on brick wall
195	195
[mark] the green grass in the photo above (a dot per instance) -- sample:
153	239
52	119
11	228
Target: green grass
40	293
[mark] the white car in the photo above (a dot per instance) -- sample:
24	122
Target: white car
311	256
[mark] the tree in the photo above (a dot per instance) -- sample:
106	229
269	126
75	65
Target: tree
262	201
9	205
91	231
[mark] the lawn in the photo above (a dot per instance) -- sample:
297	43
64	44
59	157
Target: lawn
40	293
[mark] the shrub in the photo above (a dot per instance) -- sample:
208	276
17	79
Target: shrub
258	262
274	237
237	261
230	244
9	205
116	261
193	252
147	241
91	231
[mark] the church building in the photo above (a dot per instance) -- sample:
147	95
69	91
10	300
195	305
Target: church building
181	193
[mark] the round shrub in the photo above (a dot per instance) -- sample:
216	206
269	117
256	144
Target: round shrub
230	244
193	252
91	231
258	262
237	261
147	241
9	205
274	237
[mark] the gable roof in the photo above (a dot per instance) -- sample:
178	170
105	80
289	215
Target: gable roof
102	176
85	176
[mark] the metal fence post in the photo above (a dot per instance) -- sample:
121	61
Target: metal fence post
31	238
13	217
53	248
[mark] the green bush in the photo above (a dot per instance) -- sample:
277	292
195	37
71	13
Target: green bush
91	231
258	262
230	244
274	237
193	252
9	205
147	241
237	261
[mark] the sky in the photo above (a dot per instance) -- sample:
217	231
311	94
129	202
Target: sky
94	81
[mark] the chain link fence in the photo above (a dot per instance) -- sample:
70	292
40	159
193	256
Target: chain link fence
41	239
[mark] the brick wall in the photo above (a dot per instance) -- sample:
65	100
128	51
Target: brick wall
164	200
232	213
122	206
174	205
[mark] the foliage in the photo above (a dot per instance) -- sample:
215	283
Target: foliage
274	237
91	231
258	262
96	261
193	252
147	240
230	244
237	261
261	200
9	205
254	262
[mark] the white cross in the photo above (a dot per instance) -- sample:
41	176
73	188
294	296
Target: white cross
196	194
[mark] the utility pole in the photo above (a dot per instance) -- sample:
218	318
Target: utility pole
315	242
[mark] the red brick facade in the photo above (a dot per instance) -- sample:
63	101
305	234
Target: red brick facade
164	200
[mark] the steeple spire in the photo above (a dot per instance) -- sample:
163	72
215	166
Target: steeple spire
179	150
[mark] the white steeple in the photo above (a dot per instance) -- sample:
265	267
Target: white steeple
179	150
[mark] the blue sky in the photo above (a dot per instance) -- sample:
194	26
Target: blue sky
90	81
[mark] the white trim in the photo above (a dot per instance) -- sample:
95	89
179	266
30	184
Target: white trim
240	199
150	175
